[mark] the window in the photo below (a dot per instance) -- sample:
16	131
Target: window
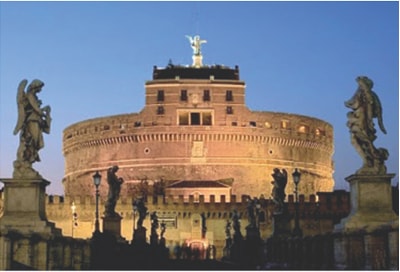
229	110
319	132
160	95
303	129
206	95
184	95
285	124
189	118
137	124
160	110
229	95
183	119
207	118
252	123
195	118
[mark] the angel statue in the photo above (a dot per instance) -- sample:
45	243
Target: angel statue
278	191
195	43
365	106
33	120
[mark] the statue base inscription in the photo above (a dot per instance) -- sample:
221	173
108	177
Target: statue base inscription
371	203
24	207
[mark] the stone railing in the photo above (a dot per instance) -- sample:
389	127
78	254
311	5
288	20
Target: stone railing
377	250
41	252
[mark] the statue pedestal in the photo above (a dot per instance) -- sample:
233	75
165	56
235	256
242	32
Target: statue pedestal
371	203
197	61
139	235
281	225
252	233
24	207
112	225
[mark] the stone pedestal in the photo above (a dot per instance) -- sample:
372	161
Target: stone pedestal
197	61
281	225
371	203
24	225
24	207
139	235
112	226
252	233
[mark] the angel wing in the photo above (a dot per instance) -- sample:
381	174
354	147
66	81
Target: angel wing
190	38
21	101
377	111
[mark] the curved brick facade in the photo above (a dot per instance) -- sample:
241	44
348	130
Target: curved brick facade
195	126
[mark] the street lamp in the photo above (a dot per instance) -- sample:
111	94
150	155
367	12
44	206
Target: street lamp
97	181
296	179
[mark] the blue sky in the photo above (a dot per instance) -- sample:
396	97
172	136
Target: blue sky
295	57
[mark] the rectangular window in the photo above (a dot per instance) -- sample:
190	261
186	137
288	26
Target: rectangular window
160	95
207	118
160	110
229	95
183	119
229	110
184	95
285	124
206	95
195	118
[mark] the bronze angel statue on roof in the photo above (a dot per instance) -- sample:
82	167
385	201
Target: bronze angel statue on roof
366	106
32	121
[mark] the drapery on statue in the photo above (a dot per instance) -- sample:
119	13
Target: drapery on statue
154	223
114	189
278	191
163	227
228	229
237	234
365	106
142	210
203	225
33	120
250	212
195	43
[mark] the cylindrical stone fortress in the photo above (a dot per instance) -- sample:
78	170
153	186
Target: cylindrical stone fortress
195	126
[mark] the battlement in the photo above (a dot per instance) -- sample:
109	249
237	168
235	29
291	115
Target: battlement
204	72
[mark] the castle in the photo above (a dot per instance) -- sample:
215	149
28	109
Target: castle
195	126
196	137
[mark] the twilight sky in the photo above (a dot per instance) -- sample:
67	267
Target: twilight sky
295	57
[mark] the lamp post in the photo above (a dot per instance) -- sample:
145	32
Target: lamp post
296	179
97	181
